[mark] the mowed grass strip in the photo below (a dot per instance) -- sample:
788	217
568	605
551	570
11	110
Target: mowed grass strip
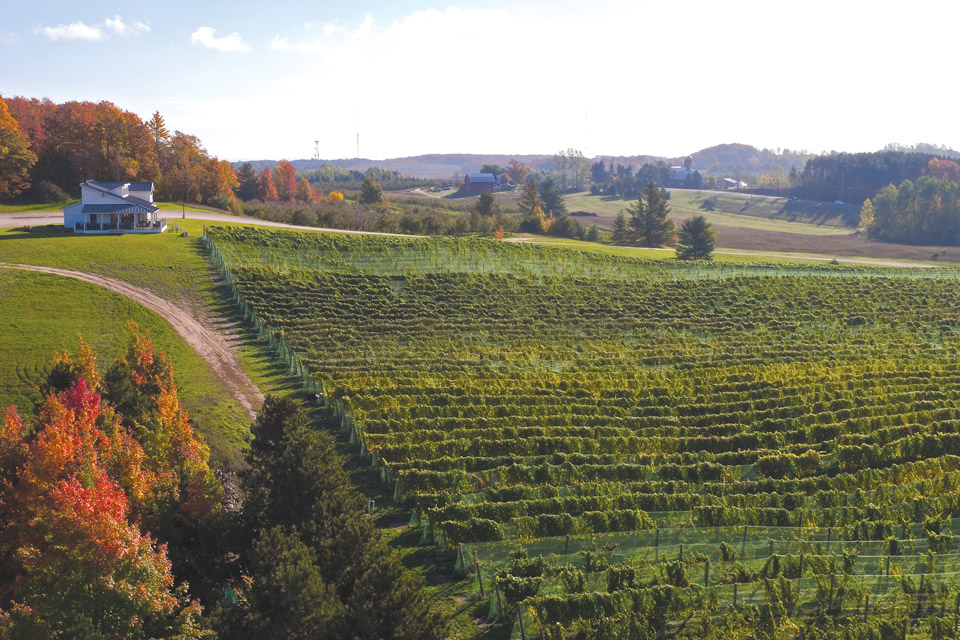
41	316
164	263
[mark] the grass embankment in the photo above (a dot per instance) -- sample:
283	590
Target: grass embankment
39	321
41	316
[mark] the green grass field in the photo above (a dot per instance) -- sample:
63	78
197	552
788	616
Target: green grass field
165	264
29	208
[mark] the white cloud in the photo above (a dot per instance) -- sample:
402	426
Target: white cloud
304	46
93	32
121	28
206	36
73	31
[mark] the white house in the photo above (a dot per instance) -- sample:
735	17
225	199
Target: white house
114	207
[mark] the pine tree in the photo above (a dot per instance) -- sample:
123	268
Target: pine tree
696	239
621	231
246	182
487	205
649	223
530	198
370	192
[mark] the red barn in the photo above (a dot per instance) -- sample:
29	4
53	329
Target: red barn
477	182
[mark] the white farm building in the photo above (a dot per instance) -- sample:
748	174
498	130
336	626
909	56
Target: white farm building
114	207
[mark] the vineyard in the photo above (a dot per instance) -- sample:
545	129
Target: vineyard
623	448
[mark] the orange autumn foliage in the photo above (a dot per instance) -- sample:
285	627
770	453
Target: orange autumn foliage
79	491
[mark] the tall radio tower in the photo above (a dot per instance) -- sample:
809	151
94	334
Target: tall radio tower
316	150
358	135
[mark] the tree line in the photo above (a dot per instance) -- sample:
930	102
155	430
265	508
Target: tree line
925	212
58	146
854	177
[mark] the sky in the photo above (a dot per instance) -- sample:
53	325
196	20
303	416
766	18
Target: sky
264	80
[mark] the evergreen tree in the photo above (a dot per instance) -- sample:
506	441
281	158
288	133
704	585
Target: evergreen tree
530	198
487	204
552	198
297	482
288	597
696	239
621	231
370	192
246	182
649	223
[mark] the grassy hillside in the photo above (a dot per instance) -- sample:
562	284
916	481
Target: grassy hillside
42	316
44	313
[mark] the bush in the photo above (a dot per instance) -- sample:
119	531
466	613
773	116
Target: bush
45	192
219	201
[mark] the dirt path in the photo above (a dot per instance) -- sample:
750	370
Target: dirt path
209	345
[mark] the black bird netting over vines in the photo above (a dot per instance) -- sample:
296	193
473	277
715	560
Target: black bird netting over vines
674	447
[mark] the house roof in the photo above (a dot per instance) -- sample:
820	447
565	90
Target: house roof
481	177
116	208
131	204
131	186
107	186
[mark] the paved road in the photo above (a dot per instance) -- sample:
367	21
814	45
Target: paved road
37	218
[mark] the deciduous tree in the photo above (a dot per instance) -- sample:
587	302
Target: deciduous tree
266	191
621	231
305	192
285	180
517	171
16	157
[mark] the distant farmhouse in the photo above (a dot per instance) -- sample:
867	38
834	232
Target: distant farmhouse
730	183
680	173
477	182
114	207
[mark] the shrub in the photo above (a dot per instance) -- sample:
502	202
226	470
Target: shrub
45	192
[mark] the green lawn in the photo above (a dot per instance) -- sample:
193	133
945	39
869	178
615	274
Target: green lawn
41	316
28	208
166	264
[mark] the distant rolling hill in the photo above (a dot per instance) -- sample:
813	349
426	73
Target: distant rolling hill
721	160
436	165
